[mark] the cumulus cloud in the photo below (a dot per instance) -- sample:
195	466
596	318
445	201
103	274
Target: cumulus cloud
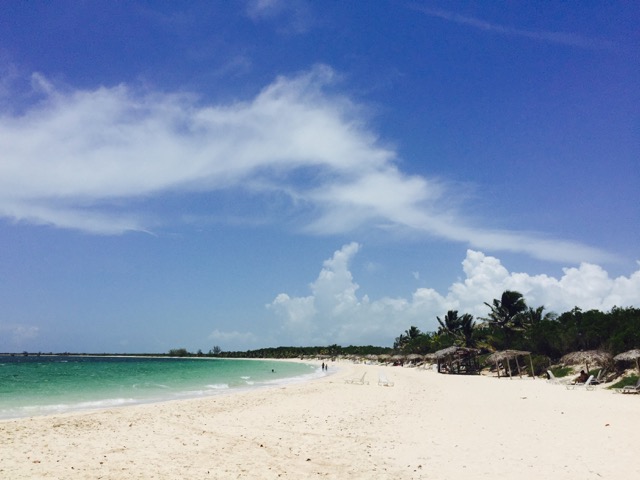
334	312
95	160
317	317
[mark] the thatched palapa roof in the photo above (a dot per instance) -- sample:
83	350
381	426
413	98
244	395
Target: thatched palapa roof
587	357
457	360
505	356
629	356
455	352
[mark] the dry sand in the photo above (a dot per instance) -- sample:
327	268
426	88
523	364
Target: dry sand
427	426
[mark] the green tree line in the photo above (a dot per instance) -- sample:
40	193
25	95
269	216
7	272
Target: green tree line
297	352
286	352
512	324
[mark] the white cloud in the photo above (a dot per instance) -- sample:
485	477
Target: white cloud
264	8
296	313
561	38
334	313
295	14
17	335
95	160
233	337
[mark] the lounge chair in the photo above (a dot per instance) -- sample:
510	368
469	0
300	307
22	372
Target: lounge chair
591	383
555	380
588	385
383	381
601	377
358	381
629	388
598	378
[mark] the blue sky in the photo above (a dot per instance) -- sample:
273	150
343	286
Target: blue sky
261	173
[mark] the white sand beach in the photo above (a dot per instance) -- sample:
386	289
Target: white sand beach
427	425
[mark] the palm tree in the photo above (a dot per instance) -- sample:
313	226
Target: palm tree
460	328
467	325
406	338
413	332
507	313
533	316
450	323
400	342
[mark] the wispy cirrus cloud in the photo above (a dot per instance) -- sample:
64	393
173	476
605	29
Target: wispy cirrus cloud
294	16
561	38
95	160
234	337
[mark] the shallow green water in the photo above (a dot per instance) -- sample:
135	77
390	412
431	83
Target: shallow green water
37	385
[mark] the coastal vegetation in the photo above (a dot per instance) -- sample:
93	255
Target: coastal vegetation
628	381
511	324
297	352
178	352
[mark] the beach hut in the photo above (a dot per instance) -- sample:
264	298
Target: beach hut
429	361
458	360
430	358
398	360
629	356
414	358
371	358
587	357
384	358
506	356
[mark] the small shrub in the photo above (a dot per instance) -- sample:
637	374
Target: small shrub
561	371
178	352
482	360
540	364
631	380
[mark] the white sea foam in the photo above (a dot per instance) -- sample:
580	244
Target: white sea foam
53	409
218	386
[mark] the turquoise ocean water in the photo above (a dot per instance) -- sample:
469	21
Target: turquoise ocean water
42	385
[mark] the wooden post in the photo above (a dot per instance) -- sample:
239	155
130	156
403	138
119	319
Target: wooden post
518	365
533	374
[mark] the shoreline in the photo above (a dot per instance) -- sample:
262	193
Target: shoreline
43	406
427	425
